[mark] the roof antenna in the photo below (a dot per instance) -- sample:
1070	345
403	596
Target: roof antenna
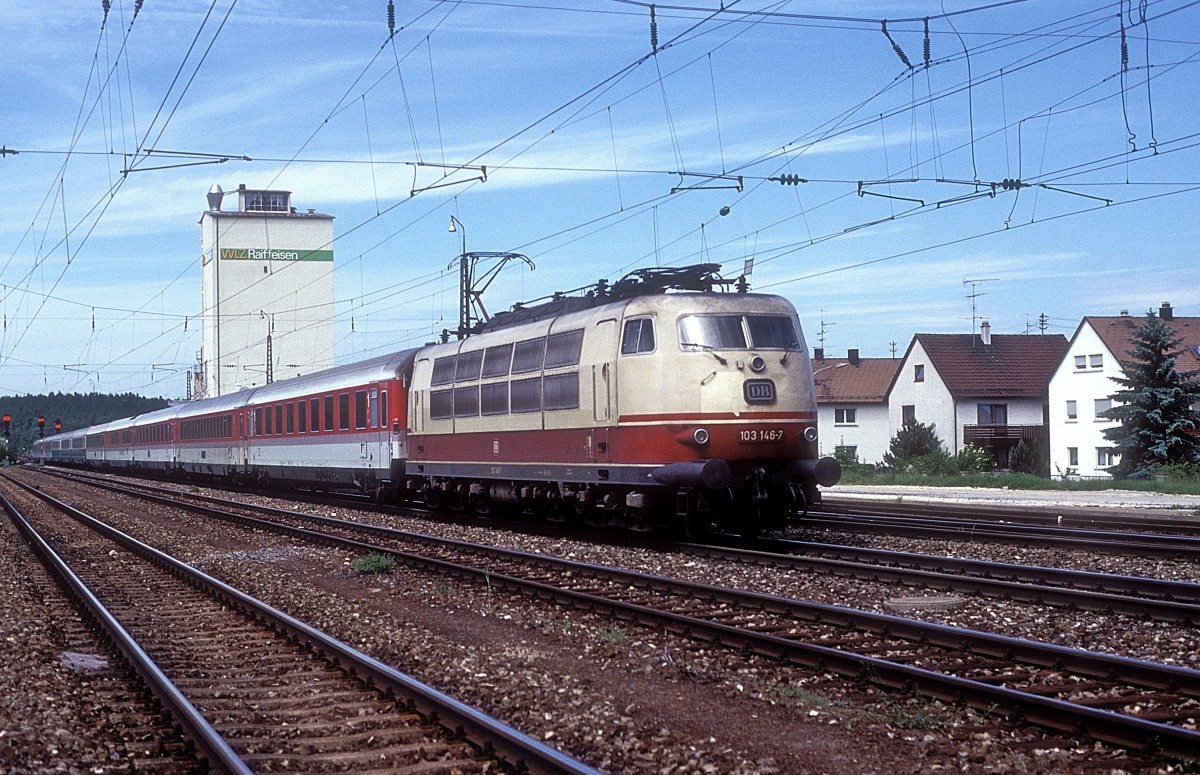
973	295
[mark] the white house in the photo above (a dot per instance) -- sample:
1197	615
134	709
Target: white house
1083	382
986	389
852	409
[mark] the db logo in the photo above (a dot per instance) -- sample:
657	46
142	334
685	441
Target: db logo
759	391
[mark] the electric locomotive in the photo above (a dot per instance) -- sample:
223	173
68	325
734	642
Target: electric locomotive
630	405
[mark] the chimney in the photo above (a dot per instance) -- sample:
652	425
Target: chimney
818	353
1165	312
985	332
215	195
1124	313
852	356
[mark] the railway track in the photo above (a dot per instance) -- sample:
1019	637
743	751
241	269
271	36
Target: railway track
1087	518
1101	541
1163	600
255	689
1122	701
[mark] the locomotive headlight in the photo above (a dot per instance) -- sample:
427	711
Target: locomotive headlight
810	433
757	364
700	436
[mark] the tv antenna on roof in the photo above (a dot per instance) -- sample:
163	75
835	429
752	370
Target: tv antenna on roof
974	294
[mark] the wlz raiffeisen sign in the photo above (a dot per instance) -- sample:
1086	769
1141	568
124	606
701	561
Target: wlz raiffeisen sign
274	254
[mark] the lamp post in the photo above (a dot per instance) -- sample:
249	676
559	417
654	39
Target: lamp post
464	279
824	368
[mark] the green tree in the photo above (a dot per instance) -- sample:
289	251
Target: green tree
1154	406
1030	457
916	446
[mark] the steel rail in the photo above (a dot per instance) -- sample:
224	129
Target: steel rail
209	742
1117	728
524	753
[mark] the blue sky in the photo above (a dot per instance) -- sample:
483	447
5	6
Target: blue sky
602	155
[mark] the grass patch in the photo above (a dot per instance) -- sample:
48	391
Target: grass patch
613	634
1019	482
374	564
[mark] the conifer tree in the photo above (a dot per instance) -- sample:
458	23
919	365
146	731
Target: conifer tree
1154	406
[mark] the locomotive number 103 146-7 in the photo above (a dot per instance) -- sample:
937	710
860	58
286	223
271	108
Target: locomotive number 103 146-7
758	435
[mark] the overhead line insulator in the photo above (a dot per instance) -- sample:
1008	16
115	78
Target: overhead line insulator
788	180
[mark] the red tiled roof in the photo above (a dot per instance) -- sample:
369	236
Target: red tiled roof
1012	366
866	381
1116	333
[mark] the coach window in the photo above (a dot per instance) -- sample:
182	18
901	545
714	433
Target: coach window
343	411
375	407
278	419
328	413
563	349
441	404
290	413
314	410
526	395
466	401
302	417
468	366
493	398
360	409
443	370
528	356
384	417
561	391
496	360
638	336
269	427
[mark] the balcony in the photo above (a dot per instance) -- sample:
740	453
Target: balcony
1005	435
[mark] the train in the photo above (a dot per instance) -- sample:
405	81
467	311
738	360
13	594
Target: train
671	399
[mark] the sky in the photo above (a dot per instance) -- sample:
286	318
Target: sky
1025	162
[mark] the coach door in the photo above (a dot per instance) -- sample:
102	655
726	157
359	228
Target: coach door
601	349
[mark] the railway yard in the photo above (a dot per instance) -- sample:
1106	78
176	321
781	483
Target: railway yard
853	645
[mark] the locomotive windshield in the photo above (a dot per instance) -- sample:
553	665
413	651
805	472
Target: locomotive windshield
736	332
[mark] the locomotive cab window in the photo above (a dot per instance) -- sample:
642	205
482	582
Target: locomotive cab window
700	332
736	332
638	336
771	331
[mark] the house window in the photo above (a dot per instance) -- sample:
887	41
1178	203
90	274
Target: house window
1096	361
1081	361
1072	456
1105	457
919	372
1072	410
845	452
908	414
844	416
1102	405
993	414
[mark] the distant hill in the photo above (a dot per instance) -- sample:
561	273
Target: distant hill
75	410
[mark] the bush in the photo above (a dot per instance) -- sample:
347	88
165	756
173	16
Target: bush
974	459
1030	457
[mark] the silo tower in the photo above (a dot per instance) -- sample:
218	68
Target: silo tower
267	289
